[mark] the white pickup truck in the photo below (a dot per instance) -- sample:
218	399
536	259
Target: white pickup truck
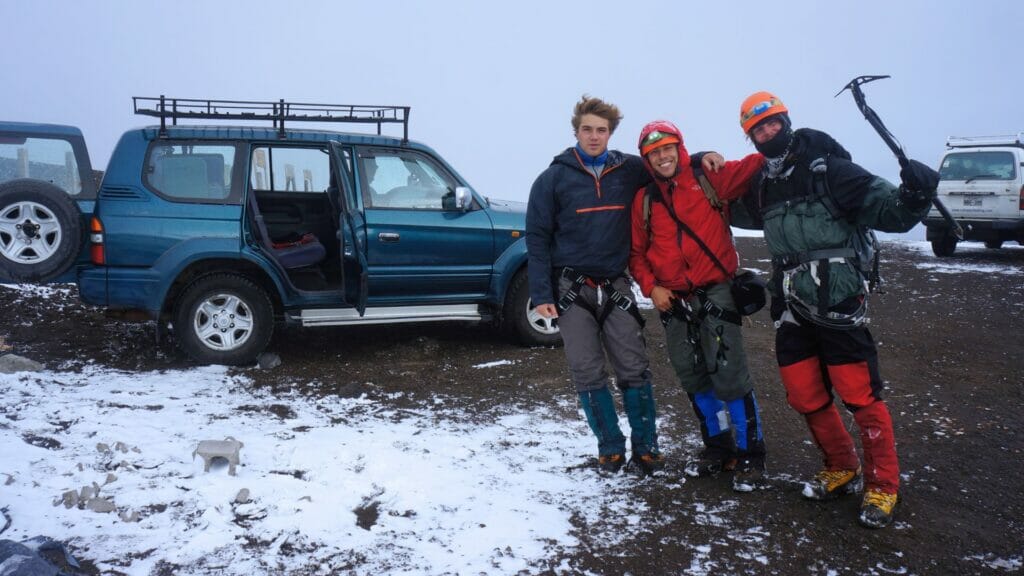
981	181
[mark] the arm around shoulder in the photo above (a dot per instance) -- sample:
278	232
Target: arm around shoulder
735	176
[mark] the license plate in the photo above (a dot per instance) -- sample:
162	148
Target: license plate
972	201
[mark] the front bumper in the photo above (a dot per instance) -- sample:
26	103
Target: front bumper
978	230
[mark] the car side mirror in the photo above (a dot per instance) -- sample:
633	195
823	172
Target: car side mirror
459	199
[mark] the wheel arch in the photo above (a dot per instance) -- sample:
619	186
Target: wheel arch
209	266
507	265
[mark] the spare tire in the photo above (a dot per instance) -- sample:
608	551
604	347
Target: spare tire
40	231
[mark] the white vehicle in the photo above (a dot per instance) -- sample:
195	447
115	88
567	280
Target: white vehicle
981	181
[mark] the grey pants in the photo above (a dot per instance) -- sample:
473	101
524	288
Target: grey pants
586	343
709	357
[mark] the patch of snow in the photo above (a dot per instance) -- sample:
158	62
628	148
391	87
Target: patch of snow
1012	564
386	490
959	265
743	233
41	290
494	364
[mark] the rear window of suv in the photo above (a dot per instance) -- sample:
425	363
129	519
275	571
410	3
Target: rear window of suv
49	159
191	171
991	165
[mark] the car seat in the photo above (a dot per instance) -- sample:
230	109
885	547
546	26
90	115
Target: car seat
299	252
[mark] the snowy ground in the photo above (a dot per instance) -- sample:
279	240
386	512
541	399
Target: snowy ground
335	484
342	482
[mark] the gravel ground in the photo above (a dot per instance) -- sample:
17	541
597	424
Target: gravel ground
949	336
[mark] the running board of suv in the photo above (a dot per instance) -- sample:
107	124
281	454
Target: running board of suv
388	315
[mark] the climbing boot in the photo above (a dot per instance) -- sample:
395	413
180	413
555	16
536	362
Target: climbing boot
610	464
711	461
646	464
749	473
878	508
831	484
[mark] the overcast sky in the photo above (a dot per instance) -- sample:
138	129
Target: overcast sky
492	84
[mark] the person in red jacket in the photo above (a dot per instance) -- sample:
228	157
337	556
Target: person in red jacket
689	285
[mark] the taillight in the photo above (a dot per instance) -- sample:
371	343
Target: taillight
1021	198
97	251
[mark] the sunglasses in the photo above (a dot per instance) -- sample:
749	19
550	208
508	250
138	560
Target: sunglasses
759	108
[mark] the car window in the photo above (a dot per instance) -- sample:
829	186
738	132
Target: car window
289	169
403	179
49	159
187	171
993	165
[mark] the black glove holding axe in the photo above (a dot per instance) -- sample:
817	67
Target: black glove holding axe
919	184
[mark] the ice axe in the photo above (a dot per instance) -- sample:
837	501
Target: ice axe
890	141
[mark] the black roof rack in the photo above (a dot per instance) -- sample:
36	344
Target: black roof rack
277	112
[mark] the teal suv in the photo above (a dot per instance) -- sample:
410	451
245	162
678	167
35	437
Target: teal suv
226	229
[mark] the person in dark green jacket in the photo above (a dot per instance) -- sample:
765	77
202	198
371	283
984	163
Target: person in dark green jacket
816	207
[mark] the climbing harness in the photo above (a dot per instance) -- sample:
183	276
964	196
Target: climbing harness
603	287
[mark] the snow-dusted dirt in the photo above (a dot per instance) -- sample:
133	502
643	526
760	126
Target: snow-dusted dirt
442	449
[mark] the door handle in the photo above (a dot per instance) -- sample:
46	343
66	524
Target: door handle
388	237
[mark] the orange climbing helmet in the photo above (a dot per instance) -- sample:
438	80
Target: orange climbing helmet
657	134
759	106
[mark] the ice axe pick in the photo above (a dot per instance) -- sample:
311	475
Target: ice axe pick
890	141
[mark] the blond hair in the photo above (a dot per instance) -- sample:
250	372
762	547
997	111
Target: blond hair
597	107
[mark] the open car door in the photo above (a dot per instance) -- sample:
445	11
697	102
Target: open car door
353	250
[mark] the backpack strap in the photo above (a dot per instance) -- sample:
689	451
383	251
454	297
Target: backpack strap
653	194
819	186
682	227
709	191
793	259
817	191
820	259
867	241
707	306
647	208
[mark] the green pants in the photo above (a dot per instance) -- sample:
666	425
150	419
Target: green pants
709	356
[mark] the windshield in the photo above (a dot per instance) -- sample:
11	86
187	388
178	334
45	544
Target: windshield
969	166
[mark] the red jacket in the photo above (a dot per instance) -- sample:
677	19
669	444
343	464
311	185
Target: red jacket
664	255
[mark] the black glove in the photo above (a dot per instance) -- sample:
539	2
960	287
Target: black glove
919	184
917	176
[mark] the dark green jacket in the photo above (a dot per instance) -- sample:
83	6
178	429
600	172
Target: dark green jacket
796	220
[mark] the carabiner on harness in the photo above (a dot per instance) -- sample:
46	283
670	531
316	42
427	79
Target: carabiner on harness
831	318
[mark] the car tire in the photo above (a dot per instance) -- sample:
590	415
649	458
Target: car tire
40	231
993	244
522	322
223	319
944	246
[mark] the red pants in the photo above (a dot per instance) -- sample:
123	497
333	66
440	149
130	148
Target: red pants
816	362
